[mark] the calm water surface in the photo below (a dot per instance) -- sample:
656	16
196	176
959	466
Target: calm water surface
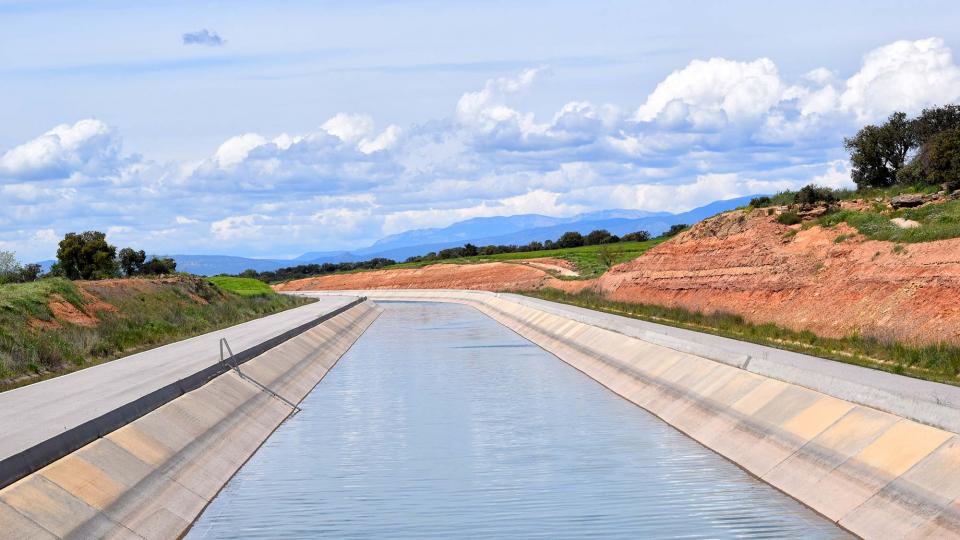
441	423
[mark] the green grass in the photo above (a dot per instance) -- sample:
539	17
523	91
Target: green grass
242	286
937	222
149	313
590	261
940	362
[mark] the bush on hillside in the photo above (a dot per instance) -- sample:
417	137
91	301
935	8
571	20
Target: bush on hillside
639	236
788	218
761	202
811	194
675	229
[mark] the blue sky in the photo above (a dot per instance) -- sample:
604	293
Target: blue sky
274	128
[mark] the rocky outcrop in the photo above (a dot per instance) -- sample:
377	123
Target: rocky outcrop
909	200
744	262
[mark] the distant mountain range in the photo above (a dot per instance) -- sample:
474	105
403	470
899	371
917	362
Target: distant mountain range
519	229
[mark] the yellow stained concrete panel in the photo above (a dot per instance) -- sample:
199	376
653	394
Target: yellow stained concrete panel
84	481
919	500
146	448
811	474
759	397
811	421
901	447
788	404
51	507
16	526
715	432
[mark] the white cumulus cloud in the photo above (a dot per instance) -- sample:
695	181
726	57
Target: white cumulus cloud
713	91
89	147
905	76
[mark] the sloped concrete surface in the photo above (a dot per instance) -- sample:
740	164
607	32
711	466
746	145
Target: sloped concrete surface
49	419
877	473
152	477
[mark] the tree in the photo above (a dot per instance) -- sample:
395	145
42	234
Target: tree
165	265
599	236
939	160
469	250
570	239
933	121
9	267
877	153
639	236
676	229
30	272
131	261
87	256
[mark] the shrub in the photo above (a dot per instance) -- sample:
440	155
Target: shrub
788	218
639	236
811	194
761	202
675	229
570	239
597	237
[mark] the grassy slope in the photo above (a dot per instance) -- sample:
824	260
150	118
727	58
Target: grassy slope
589	260
146	317
937	222
242	286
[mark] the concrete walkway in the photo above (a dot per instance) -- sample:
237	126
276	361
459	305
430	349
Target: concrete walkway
36	413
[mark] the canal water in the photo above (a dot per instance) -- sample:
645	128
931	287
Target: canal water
441	423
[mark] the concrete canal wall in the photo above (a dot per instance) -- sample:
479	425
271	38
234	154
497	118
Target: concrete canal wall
154	475
881	463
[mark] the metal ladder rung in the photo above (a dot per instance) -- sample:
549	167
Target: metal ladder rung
236	367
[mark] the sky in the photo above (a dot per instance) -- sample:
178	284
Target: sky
269	129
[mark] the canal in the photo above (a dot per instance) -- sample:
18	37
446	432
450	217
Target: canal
441	423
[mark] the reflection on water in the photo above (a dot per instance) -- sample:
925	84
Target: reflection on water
441	423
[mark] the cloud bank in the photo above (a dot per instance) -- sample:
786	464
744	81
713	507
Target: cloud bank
715	128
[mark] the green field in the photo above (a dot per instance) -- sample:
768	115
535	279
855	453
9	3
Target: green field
590	261
242	286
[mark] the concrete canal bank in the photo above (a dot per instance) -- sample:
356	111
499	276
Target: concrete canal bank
139	446
874	452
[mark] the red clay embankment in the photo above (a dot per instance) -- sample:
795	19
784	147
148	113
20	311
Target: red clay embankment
493	276
748	264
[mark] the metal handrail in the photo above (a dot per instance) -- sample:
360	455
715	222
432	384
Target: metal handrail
236	367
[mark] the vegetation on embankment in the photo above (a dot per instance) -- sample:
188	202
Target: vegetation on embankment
939	362
54	326
242	286
933	222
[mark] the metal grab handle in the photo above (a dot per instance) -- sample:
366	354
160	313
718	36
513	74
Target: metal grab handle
236	367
